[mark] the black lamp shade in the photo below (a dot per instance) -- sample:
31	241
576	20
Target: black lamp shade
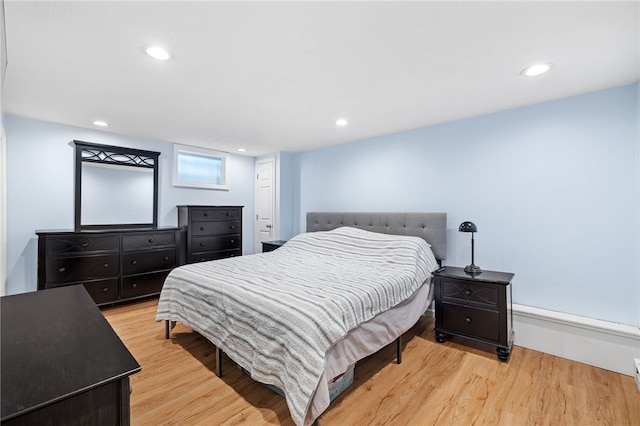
468	227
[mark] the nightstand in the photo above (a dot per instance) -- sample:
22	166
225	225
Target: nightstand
272	245
475	306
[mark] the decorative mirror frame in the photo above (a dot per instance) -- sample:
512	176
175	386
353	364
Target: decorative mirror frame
114	155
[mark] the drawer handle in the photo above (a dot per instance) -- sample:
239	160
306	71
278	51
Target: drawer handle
106	265
467	320
150	240
228	214
105	290
134	285
231	227
206	214
202	244
202	228
233	241
166	258
62	269
467	292
133	262
84	245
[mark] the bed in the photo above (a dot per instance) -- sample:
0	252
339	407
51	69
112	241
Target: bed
296	317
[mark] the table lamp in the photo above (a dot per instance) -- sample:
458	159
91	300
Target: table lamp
470	227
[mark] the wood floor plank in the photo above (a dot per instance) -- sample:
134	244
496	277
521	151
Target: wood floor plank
455	383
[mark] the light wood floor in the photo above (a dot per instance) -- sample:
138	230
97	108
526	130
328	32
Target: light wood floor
444	384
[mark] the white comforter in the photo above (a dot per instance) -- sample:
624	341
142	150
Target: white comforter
276	314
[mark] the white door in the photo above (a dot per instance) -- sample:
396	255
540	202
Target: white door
265	201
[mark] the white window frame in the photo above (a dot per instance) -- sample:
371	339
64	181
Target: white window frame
223	156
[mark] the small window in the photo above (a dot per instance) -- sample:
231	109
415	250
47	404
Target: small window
200	168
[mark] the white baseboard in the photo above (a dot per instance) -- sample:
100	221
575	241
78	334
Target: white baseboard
603	344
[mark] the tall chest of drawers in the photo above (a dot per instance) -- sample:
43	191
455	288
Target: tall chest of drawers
210	232
114	266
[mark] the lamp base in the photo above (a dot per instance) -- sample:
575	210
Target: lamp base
472	269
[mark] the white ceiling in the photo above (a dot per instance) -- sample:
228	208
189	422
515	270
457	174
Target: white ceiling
271	76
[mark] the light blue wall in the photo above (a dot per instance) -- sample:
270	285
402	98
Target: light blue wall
553	188
40	188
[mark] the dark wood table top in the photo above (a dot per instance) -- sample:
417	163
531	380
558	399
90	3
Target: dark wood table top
54	344
494	277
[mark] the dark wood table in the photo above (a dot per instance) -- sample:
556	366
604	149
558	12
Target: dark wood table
61	362
475	306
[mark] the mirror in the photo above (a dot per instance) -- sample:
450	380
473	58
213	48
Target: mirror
116	187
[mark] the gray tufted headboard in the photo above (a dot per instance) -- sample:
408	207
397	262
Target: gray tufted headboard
430	226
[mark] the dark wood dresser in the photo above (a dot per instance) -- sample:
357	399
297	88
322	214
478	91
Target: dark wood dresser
62	363
210	232
475	306
114	266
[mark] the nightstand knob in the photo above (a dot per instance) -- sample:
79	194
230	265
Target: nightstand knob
467	320
467	292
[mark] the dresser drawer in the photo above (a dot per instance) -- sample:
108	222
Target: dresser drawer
148	240
473	322
103	291
218	228
148	261
82	244
228	242
469	293
80	268
213	255
142	285
198	215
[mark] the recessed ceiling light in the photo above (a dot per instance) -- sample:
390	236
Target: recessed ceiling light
341	122
101	123
536	70
158	53
242	149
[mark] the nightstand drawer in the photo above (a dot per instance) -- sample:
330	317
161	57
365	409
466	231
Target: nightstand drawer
473	322
469	293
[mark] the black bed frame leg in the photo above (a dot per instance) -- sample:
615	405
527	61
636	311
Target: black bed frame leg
168	326
218	362
399	350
